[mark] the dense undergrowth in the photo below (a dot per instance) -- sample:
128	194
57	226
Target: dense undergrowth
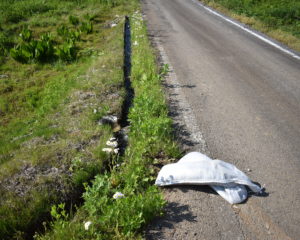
150	144
278	18
50	139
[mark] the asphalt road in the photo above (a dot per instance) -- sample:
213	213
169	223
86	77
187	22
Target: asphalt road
240	97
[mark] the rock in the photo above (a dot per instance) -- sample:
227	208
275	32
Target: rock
109	119
113	144
107	150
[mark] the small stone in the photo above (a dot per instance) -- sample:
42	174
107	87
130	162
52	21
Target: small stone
87	225
112	143
107	150
110	119
267	226
118	195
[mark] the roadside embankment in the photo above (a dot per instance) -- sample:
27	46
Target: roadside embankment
50	137
120	202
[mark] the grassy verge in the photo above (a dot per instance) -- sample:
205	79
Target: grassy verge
50	141
280	19
150	145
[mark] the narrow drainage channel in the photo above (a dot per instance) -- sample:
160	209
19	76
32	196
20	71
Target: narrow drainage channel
120	126
127	71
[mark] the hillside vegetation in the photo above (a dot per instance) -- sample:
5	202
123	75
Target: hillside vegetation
61	71
278	18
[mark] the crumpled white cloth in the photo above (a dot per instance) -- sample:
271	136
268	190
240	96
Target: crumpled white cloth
198	169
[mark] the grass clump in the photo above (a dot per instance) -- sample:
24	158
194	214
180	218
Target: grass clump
74	20
278	18
103	215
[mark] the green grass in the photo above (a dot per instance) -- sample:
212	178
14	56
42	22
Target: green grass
30	89
50	142
278	18
150	143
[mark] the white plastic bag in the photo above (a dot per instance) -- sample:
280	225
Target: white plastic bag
197	169
233	195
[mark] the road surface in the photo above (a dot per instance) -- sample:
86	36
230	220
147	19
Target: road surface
236	98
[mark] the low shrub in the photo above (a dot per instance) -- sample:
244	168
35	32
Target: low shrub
41	50
44	49
23	52
68	34
67	51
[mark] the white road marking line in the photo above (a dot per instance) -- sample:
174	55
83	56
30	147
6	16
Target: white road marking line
248	31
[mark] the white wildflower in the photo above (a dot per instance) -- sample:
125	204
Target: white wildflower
87	225
113	25
118	195
135	43
95	111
